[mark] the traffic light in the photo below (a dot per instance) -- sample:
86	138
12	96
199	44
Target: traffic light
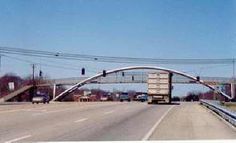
83	71
198	78
104	73
40	73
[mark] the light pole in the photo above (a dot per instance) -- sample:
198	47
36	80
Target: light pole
233	83
233	68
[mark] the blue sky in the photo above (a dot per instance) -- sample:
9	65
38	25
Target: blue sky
133	28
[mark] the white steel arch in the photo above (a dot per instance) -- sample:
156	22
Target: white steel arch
83	82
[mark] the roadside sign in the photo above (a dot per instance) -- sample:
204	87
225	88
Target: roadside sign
11	86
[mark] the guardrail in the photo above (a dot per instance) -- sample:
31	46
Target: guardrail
226	114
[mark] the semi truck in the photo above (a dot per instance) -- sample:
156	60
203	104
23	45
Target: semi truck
159	87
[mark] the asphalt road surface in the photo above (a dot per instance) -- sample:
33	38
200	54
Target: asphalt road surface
109	121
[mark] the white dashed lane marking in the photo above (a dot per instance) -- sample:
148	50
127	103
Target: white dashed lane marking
18	139
81	120
109	112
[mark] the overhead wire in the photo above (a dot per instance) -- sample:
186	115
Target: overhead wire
55	65
43	64
110	59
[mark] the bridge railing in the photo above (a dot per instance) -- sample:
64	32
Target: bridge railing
225	113
138	78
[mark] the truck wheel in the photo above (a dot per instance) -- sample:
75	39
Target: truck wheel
128	100
121	100
150	101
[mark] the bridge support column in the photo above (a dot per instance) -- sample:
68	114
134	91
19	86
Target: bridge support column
233	90
54	90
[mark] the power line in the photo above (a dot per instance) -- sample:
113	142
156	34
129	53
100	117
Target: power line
43	64
54	65
110	59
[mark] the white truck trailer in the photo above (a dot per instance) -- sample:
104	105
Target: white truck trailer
159	87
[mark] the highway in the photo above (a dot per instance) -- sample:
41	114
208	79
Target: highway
109	121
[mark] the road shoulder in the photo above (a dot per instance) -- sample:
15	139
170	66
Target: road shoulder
190	121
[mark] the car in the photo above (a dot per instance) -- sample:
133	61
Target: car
124	97
104	98
41	98
142	97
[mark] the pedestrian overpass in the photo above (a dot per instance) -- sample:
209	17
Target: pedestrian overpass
127	75
99	78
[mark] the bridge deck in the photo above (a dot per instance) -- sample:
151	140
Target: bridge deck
138	78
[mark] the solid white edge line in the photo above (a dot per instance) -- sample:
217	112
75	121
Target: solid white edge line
150	132
17	139
81	120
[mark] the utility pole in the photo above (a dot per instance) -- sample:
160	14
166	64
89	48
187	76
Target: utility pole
33	68
0	71
0	63
34	84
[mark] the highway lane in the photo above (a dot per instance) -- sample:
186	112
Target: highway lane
106	121
80	122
